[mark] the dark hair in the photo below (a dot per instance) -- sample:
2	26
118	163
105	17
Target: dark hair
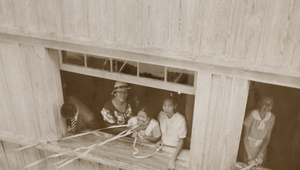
68	110
172	98
147	109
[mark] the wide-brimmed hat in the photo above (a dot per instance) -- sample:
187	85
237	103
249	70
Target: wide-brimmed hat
120	86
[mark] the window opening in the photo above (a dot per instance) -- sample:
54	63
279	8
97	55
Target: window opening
125	66
152	71
283	149
100	63
73	58
175	79
94	92
180	76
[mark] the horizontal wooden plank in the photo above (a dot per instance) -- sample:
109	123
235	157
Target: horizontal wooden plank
271	76
127	78
116	153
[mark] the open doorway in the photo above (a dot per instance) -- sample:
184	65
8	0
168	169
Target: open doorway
94	92
286	108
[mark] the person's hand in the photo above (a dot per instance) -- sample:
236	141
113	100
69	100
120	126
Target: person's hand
252	162
134	134
171	165
140	127
249	157
260	158
259	161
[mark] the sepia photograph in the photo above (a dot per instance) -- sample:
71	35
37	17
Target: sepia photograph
150	85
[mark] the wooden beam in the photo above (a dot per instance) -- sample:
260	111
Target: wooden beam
201	107
273	76
128	78
220	103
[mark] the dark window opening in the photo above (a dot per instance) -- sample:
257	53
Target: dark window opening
100	63
94	92
73	58
126	67
283	151
139	69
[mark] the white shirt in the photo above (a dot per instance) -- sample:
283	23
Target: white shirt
172	129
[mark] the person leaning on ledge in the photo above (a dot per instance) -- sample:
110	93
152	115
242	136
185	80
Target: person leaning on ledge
78	116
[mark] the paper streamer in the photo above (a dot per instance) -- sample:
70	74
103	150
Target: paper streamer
144	156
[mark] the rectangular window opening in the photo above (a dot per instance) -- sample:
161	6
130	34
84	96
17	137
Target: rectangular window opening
283	149
94	92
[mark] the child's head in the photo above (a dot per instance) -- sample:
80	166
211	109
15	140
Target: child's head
144	114
169	106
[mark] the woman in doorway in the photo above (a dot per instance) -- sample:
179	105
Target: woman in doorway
258	127
117	111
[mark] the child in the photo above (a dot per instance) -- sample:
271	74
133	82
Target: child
173	128
148	129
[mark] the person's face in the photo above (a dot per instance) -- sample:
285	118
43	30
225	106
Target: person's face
142	117
266	105
121	95
169	107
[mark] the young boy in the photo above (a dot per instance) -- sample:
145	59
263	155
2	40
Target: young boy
173	128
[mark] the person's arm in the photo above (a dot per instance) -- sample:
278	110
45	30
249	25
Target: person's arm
151	139
179	147
246	131
155	134
265	144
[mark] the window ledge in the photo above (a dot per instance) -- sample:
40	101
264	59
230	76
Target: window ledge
116	153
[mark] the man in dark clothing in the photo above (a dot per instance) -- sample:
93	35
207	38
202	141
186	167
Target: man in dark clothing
79	117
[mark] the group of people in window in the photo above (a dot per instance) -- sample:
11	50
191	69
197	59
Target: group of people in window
168	129
170	126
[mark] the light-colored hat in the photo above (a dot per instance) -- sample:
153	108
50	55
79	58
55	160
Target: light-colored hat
119	86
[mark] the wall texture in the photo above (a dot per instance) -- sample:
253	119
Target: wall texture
31	91
253	35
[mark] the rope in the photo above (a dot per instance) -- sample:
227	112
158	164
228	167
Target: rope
65	138
134	154
92	147
64	162
87	149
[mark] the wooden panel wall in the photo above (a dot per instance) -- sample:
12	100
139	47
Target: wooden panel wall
256	35
18	160
219	111
31	91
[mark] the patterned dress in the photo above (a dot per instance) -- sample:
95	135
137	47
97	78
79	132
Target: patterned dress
112	116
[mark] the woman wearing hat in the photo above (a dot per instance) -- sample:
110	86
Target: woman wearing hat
117	111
